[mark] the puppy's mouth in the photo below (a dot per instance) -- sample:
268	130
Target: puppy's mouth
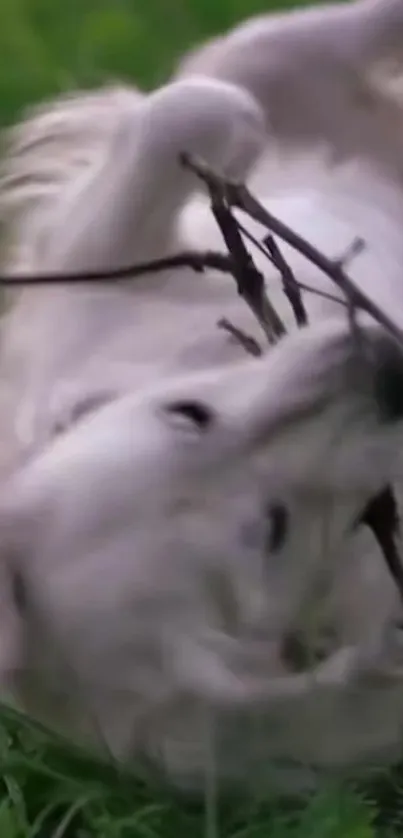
381	517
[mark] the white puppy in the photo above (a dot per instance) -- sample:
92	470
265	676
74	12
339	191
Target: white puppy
161	549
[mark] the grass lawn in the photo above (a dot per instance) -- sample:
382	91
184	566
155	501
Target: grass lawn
50	790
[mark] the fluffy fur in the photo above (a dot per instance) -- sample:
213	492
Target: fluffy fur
155	598
296	63
148	456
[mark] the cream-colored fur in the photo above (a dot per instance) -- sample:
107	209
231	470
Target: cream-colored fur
298	62
155	607
144	455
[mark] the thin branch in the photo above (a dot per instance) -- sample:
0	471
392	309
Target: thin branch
355	249
249	343
325	294
303	286
290	285
197	261
237	195
244	200
250	282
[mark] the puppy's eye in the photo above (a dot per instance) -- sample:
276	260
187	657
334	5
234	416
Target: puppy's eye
194	412
277	526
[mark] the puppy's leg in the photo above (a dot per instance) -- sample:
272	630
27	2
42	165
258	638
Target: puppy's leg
310	69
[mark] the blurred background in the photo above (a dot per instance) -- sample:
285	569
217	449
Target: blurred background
50	46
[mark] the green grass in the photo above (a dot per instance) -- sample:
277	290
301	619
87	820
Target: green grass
50	46
49	789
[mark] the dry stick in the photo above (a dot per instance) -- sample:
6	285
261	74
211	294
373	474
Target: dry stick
290	285
249	343
242	198
250	282
325	294
354	249
292	288
197	261
303	286
238	195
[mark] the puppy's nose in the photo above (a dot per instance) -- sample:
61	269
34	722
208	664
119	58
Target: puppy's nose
388	368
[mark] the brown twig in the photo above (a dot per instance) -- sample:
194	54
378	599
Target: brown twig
355	249
237	195
325	294
249	343
250	282
197	261
332	269
290	285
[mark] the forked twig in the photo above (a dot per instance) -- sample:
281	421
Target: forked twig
238	195
290	284
291	287
250	282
